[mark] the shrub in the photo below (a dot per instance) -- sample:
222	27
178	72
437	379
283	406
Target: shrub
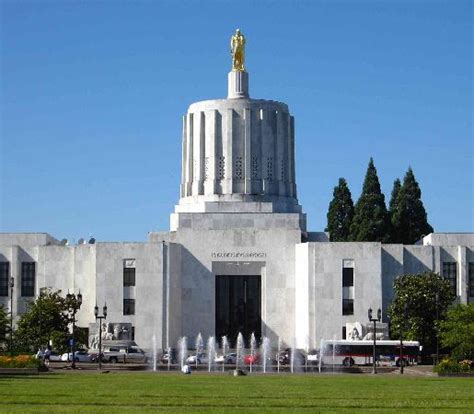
450	366
20	361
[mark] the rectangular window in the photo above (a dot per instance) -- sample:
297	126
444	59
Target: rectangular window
129	306
4	278
133	333
348	287
450	273
343	332
471	280
348	306
28	274
128	276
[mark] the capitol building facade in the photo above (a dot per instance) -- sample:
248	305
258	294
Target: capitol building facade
238	256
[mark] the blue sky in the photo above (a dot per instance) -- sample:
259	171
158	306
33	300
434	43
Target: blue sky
92	95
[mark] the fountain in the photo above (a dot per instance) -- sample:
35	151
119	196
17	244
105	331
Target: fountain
211	351
292	358
278	355
253	345
183	351
239	349
322	347
225	349
199	346
169	357
266	350
154	352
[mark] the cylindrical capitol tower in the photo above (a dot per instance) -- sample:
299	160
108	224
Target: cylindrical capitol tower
238	153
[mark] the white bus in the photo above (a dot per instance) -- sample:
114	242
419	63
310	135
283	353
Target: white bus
348	353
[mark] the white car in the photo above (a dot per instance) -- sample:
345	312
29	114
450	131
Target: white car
53	356
79	356
227	359
198	358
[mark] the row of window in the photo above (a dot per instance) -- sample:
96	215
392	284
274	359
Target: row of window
28	275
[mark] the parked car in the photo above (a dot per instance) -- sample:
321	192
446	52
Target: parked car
127	354
166	356
227	359
79	356
285	357
53	356
200	358
251	359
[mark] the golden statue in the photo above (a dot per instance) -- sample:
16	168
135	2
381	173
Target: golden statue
237	49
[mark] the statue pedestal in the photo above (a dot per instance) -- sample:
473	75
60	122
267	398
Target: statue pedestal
238	84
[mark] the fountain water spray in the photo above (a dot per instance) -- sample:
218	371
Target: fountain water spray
322	345
199	346
154	352
253	345
169	358
239	349
225	349
211	351
278	355
183	350
265	352
292	358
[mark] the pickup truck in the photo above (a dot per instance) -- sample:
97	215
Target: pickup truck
131	354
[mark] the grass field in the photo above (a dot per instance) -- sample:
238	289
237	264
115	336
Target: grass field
201	393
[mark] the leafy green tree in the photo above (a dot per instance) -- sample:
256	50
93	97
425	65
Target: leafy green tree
340	213
393	207
370	222
421	300
47	319
4	327
408	219
457	331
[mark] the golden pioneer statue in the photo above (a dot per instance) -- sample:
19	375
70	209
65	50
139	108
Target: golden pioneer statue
237	49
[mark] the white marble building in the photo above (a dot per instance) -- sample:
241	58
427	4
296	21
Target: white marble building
238	256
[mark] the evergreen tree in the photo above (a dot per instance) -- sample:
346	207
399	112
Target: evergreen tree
340	212
371	221
393	206
409	220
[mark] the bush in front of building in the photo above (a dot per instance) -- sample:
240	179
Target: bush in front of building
451	366
20	361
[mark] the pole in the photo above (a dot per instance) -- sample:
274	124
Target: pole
374	368
11	316
73	365
437	336
100	343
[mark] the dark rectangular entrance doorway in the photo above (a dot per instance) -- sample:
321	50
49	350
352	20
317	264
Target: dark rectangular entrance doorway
238	307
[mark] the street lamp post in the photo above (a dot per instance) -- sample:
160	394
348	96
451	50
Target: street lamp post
374	320
12	284
402	328
100	317
74	303
437	319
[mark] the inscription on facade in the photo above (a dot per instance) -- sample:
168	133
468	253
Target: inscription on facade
238	255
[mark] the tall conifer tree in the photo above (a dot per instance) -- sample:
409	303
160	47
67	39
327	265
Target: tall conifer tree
410	221
340	212
393	206
370	222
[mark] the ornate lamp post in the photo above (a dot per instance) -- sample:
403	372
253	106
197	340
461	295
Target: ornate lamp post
374	320
12	284
100	317
74	303
402	327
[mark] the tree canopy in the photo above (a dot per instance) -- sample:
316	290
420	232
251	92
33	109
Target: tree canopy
421	300
4	327
47	319
408	217
370	222
457	331
340	213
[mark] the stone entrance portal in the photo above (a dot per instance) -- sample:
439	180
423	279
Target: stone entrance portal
238	307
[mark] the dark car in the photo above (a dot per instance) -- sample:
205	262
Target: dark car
170	357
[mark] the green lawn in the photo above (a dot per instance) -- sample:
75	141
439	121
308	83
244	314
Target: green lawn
175	393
